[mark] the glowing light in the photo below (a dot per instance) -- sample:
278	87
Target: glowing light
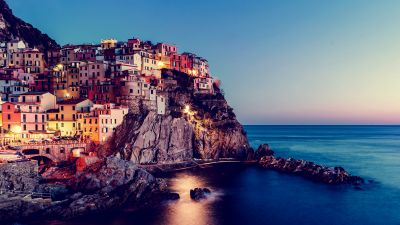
187	109
16	129
58	67
76	153
67	95
161	64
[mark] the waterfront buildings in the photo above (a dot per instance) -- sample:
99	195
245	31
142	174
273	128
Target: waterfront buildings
84	91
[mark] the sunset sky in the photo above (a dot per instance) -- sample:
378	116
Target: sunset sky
280	62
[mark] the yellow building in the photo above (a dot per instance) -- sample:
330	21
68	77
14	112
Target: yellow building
108	43
89	126
65	118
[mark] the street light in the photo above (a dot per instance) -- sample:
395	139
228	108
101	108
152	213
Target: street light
187	109
16	130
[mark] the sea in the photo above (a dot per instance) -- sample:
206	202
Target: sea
245	194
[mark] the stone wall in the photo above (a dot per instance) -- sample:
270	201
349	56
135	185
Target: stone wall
19	176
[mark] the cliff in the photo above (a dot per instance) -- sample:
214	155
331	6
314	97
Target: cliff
12	27
200	126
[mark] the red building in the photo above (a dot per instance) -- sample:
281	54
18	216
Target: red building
181	63
11	117
102	93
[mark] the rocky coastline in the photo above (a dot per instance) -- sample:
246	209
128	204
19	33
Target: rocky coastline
106	185
112	182
307	169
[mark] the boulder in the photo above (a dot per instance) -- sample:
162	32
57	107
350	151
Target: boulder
199	193
263	150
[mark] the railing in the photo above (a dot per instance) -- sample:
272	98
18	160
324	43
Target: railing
64	142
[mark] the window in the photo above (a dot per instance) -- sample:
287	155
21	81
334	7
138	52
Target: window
62	150
62	108
37	98
47	150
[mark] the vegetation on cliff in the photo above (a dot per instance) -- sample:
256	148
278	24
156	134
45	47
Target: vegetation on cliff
13	27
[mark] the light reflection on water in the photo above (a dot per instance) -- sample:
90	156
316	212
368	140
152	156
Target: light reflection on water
185	210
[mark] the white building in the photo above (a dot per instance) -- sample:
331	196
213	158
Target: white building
110	117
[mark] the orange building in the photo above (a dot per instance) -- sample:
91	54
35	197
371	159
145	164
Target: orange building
11	118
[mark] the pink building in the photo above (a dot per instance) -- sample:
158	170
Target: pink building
33	107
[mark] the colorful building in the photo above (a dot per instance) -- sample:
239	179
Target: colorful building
64	119
33	107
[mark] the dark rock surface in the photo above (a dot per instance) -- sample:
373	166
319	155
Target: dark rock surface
263	150
21	176
104	186
199	193
329	175
11	27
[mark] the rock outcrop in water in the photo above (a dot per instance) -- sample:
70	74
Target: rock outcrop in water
209	130
12	27
329	175
199	193
263	150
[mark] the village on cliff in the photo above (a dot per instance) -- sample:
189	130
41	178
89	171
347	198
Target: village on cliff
61	100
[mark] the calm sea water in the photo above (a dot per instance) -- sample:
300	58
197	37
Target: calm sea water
245	194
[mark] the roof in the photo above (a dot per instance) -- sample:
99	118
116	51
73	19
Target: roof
35	93
73	101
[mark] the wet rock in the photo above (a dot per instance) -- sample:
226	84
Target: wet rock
199	193
329	175
263	150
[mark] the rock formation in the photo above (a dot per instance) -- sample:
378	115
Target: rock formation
207	130
263	150
199	193
22	177
329	175
11	27
108	184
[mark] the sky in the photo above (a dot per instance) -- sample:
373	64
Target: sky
280	61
